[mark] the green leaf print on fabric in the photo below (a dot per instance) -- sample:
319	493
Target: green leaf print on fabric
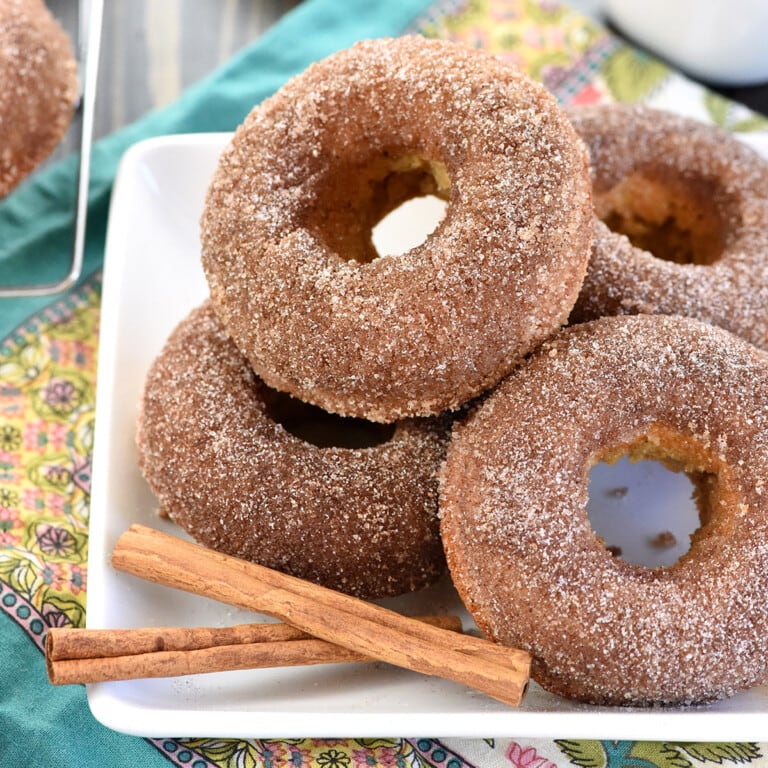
731	752
658	754
630	76
228	753
67	612
585	754
652	754
717	107
725	114
51	472
24	365
22	574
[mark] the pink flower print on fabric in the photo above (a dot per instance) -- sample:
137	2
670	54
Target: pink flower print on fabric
55	540
298	757
78	579
54	575
9	465
527	757
33	499
11	527
273	754
40	436
392	758
61	395
377	756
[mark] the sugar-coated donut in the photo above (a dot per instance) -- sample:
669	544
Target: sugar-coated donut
286	231
685	207
38	87
519	544
361	520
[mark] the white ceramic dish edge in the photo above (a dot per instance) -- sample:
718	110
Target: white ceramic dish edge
293	703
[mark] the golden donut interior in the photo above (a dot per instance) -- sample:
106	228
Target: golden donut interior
674	218
353	197
713	484
320	428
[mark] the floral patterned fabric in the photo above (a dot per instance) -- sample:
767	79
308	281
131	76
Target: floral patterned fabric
47	373
47	396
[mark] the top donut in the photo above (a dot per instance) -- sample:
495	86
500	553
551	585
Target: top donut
38	91
286	229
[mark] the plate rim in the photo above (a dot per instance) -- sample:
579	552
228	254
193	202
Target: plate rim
128	716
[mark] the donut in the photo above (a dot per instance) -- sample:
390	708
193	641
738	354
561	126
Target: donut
236	465
39	90
532	571
286	228
683	221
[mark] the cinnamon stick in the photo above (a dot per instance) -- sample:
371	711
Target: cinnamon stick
368	629
100	655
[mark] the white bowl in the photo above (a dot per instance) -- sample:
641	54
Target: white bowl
722	41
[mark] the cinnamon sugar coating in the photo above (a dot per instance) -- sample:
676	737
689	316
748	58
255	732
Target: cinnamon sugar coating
38	91
286	228
525	559
692	201
360	520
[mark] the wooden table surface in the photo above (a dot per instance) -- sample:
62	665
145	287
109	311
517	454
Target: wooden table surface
151	50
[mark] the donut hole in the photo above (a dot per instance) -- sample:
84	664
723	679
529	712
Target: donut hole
644	512
408	226
649	501
677	219
356	205
322	429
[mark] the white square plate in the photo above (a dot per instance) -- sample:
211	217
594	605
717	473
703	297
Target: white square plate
152	279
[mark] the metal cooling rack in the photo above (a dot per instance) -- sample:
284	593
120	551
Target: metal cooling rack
87	42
